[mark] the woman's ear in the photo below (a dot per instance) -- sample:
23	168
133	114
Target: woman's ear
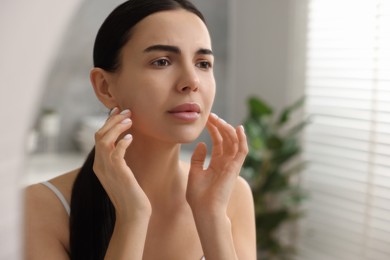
101	82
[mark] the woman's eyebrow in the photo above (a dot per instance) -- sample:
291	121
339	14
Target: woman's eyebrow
205	51
175	49
160	47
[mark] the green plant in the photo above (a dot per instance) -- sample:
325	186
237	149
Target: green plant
270	169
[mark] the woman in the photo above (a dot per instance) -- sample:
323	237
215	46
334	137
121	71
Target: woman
133	198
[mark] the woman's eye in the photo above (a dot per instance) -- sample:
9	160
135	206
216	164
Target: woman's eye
204	65
161	63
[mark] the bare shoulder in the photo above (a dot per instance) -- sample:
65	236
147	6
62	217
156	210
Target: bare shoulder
65	183
241	212
46	222
38	194
241	197
242	186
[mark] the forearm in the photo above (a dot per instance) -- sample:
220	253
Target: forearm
128	239
216	237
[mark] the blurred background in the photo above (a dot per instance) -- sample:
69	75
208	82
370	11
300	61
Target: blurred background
335	53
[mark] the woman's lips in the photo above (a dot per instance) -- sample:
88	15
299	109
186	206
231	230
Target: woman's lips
188	112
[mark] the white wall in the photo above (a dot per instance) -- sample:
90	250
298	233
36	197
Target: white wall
267	56
266	53
25	60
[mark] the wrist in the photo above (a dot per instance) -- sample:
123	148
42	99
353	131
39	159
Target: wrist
211	217
131	217
209	213
215	233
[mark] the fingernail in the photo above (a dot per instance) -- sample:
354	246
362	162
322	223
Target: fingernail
242	127
126	121
128	137
124	112
223	121
113	110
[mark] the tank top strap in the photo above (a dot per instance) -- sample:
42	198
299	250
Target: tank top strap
60	196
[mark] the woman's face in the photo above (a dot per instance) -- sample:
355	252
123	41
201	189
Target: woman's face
166	77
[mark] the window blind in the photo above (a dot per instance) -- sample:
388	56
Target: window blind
348	143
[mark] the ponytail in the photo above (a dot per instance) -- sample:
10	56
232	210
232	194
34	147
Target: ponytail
92	215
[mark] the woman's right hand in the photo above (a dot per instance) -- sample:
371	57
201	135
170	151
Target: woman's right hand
110	167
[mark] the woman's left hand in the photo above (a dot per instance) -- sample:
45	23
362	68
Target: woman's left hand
209	190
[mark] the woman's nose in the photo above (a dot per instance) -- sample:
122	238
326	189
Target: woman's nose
189	80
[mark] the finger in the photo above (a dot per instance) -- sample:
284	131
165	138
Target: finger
107	142
118	155
229	136
198	157
216	138
242	148
113	111
230	139
112	120
115	116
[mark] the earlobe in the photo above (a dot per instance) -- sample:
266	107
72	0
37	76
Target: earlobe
100	80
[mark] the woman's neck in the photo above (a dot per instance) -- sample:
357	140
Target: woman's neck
158	170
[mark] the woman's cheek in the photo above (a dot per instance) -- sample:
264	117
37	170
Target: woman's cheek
210	99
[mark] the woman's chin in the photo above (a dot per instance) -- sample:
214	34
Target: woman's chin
187	137
186	141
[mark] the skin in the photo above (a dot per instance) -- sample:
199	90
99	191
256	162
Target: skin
166	209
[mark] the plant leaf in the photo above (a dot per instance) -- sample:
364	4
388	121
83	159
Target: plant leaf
274	142
275	182
271	220
290	149
258	108
285	114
